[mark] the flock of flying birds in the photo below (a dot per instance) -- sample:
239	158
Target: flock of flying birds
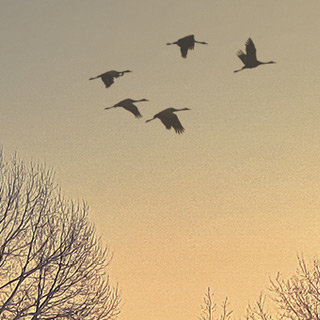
167	116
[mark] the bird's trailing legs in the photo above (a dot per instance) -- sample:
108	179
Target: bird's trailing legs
244	67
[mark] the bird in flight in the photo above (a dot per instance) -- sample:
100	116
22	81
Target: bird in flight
250	59
185	44
108	77
129	105
169	119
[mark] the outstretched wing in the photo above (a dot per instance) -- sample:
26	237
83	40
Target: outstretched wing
133	109
172	121
187	39
242	56
184	51
251	49
107	80
113	74
175	123
185	44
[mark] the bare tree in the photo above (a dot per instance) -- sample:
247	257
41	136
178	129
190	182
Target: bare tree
257	311
295	298
51	264
209	307
299	296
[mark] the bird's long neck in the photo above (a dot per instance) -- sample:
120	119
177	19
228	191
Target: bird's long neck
170	43
268	62
139	100
121	73
182	109
202	42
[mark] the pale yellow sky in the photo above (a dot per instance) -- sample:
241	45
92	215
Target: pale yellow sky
228	203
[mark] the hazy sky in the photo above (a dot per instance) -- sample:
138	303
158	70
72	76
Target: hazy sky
226	204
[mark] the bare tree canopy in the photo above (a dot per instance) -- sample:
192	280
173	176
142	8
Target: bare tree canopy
257	311
208	308
293	298
51	264
299	296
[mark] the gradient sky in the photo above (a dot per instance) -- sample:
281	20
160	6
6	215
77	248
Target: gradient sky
228	203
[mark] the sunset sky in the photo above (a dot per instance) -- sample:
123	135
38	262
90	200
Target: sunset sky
228	203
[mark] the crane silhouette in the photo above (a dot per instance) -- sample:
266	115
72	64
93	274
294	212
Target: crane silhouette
169	119
250	59
128	104
108	77
185	44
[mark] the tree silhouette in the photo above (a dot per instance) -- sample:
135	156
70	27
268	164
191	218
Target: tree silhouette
294	298
299	296
51	264
208	308
257	311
